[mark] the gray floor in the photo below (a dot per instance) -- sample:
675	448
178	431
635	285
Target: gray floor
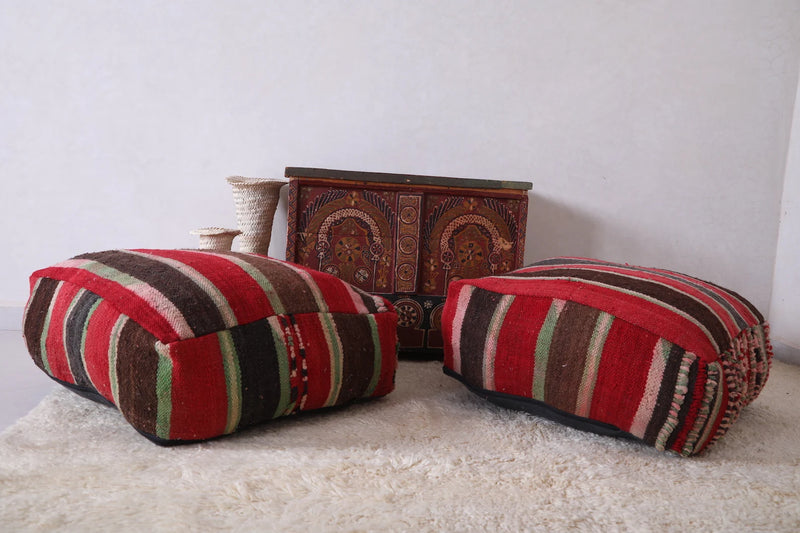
22	384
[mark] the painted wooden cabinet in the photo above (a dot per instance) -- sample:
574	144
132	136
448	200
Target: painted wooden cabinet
406	237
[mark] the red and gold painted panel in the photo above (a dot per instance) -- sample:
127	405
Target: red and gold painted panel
406	237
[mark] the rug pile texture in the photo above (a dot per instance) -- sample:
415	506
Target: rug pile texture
429	457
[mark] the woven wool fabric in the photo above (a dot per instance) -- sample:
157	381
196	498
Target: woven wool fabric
191	345
618	349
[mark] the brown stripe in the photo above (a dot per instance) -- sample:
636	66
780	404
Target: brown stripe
137	368
197	307
293	291
358	355
568	349
480	309
668	295
743	301
665	394
33	322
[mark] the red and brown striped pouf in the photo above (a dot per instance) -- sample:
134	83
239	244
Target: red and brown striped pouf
191	345
615	349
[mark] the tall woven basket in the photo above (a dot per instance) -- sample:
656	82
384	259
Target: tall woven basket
256	200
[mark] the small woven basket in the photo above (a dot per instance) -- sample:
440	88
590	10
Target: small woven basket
217	239
256	200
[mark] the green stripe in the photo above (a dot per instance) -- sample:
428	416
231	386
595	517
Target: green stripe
163	391
83	339
596	344
109	273
493	334
262	281
112	357
543	349
283	365
233	379
378	359
335	349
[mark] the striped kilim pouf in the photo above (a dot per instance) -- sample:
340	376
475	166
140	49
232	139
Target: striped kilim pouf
191	345
615	349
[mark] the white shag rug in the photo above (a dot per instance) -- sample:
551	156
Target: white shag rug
429	457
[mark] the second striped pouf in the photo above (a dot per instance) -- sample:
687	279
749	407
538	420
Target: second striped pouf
190	345
615	349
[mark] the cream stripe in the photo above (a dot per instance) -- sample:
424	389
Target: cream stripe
716	369
221	303
653	385
113	348
650	299
490	349
357	301
155	299
335	351
586	391
458	322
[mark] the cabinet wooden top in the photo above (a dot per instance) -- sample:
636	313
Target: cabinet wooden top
405	179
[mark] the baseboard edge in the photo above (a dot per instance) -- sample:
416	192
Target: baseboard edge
786	352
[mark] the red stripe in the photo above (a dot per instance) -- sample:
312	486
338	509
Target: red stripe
243	293
199	392
622	375
656	277
743	310
318	360
98	339
54	344
516	345
118	296
387	332
334	292
642	313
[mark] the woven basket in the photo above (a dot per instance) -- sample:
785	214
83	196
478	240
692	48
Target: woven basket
256	200
217	239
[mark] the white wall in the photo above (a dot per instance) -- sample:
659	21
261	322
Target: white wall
784	312
654	132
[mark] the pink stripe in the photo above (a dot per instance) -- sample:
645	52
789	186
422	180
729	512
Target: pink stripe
654	378
458	321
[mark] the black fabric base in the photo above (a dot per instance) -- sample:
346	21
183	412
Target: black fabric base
539	408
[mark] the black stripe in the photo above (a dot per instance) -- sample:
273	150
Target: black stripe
258	367
687	404
665	394
73	337
358	355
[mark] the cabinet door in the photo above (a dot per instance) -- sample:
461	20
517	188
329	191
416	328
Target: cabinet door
467	237
348	233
